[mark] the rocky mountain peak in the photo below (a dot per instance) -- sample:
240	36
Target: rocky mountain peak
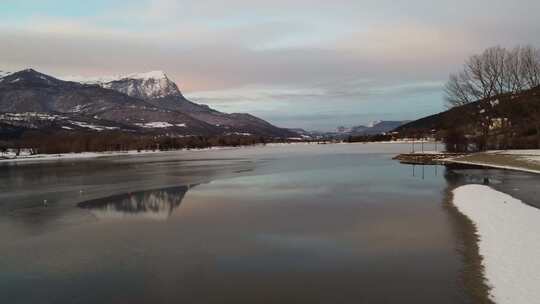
29	77
146	86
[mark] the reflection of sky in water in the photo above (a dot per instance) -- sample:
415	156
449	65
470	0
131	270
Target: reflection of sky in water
346	175
308	227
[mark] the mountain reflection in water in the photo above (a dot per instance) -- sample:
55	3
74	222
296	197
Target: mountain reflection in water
152	204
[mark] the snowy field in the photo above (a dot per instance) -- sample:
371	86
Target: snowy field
10	157
509	233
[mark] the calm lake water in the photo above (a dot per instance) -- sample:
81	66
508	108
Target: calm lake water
276	224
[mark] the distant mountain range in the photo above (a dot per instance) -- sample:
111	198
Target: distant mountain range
146	103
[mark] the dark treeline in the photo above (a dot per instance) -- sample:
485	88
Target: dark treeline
369	138
76	142
508	121
494	103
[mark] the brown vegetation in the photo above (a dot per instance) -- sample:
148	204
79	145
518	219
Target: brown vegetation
75	142
494	72
495	102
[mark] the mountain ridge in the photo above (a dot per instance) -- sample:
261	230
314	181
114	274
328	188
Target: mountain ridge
138	103
373	128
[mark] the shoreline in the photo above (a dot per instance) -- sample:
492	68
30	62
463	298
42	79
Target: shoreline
472	274
95	155
510	265
517	160
491	165
510	160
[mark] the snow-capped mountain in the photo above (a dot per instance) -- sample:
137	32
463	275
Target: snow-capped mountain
74	105
144	103
150	85
373	123
376	127
159	90
153	204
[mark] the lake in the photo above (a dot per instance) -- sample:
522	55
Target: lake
340	223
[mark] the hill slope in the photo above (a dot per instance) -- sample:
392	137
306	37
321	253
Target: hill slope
158	89
146	103
501	122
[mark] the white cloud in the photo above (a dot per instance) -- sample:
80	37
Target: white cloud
267	55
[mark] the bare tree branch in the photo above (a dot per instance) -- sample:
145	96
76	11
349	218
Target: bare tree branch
496	71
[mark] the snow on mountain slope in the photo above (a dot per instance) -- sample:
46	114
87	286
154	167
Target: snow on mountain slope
159	90
111	78
4	73
149	85
374	123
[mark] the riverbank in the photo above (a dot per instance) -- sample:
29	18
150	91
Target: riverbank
90	155
27	157
520	160
508	241
426	158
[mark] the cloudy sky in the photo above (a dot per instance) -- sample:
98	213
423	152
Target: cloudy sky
314	64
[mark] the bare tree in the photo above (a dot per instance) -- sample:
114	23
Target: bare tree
496	71
530	66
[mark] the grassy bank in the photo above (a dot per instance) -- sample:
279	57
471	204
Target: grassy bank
502	160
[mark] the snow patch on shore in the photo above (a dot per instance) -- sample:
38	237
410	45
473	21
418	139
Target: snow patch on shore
26	156
509	233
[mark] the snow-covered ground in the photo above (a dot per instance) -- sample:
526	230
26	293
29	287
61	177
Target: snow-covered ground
26	157
159	125
509	233
91	126
11	157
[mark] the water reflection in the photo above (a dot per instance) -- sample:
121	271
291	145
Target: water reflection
320	227
458	177
521	185
153	204
422	172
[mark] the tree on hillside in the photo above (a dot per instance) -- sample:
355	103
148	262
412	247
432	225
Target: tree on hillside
496	71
